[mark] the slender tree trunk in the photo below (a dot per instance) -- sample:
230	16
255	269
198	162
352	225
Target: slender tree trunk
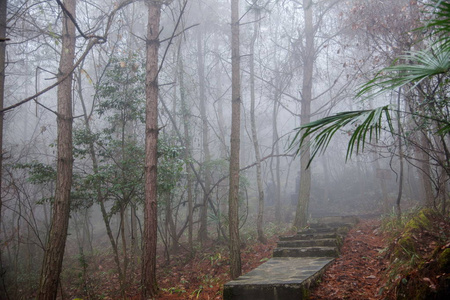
275	172
134	236
124	245
260	218
203	231
87	231
170	224
425	169
149	285
400	154
233	202
187	151
100	197
326	183
3	7
54	251
274	187
301	216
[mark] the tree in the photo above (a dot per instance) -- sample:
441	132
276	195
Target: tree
203	231
54	252
149	285
423	72
117	166
260	217
233	200
3	7
301	215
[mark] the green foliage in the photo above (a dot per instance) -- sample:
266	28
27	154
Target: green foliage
39	173
419	254
366	125
444	259
170	165
123	91
120	157
414	68
422	65
120	153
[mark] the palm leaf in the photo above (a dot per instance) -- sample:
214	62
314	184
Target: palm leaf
415	67
440	23
367	126
423	64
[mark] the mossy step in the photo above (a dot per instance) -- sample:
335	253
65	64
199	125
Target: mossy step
308	243
308	236
306	252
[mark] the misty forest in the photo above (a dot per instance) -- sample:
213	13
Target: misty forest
161	149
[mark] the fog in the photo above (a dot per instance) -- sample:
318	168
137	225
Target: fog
345	42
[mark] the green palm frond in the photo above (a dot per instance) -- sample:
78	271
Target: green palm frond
441	21
423	64
366	126
414	67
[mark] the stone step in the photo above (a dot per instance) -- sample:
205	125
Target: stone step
308	236
306	252
317	230
339	222
308	243
297	263
280	278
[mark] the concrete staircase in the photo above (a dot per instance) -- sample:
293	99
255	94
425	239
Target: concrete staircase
316	241
298	262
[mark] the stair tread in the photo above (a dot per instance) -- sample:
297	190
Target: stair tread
309	248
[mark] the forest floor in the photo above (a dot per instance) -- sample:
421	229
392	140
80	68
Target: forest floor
362	271
357	274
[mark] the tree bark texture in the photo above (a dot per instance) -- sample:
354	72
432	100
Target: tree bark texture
3	7
400	157
301	216
203	231
233	202
187	151
54	251
260	217
149	285
275	171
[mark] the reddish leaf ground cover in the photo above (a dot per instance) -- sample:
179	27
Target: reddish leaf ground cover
203	276
359	273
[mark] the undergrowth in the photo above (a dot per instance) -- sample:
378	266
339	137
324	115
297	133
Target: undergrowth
419	251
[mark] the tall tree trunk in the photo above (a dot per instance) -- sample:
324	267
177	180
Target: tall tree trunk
54	251
301	216
425	169
275	171
187	150
260	218
3	7
148	282
400	157
203	231
233	202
